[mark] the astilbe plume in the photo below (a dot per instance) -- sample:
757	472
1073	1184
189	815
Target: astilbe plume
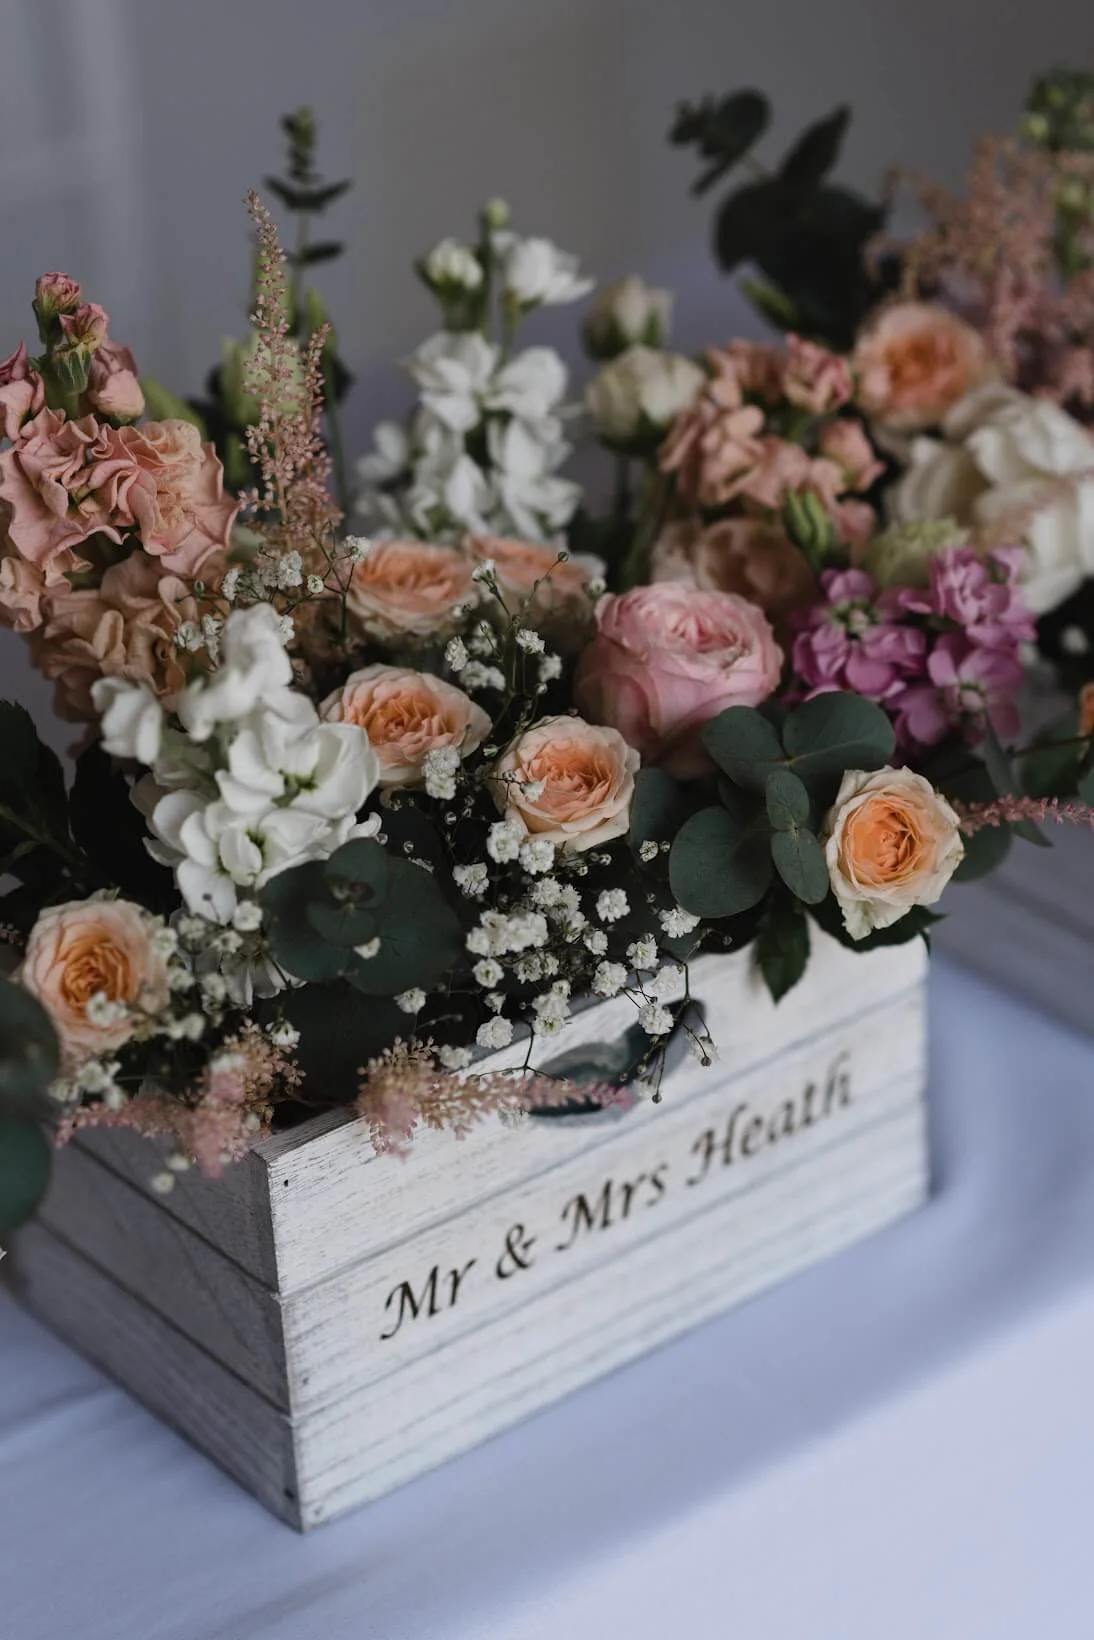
994	248
1004	811
229	1110
293	499
406	1089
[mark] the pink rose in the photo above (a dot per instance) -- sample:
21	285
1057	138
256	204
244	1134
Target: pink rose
94	949
407	714
163	478
568	782
52	483
668	657
914	361
113	386
125	628
743	555
844	442
535	580
22	393
409	589
815	379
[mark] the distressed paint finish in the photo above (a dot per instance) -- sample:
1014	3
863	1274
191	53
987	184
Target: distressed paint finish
328	1323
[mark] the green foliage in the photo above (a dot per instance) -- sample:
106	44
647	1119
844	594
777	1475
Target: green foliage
325	917
1007	784
720	864
111	830
809	526
36	844
820	740
337	1033
29	1061
781	948
915	923
963	778
788	804
660	807
745	745
806	235
162	405
799	860
1050	767
25	1160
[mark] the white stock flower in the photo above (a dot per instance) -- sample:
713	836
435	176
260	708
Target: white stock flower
536	273
641	391
532	385
325	769
254	669
132	719
454	370
450	262
1011	462
390	456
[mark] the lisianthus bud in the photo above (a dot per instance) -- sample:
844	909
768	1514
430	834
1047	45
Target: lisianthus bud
451	264
495	213
55	293
629	313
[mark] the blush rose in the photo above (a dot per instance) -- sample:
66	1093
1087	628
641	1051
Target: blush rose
666	658
568	782
409	589
914	361
405	715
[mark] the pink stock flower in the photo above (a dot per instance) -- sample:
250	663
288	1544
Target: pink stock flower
668	657
125	628
113	385
56	293
757	368
713	445
850	642
778	466
815	379
967	688
22	393
52	483
855	523
981	595
161	477
844	442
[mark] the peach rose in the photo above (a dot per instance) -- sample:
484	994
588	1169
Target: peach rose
101	949
1086	709
568	782
405	715
668	657
891	842
914	361
161	477
409	589
553	591
125	628
747	556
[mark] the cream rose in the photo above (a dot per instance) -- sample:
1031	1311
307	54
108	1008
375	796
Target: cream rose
94	951
405	715
408	589
1011	465
891	842
568	782
914	361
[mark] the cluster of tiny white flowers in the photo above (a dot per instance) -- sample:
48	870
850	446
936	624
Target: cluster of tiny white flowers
642	953
504	839
678	922
612	904
495	1033
609	979
472	880
455	654
529	641
440	768
499	933
655	1019
537	855
412	1001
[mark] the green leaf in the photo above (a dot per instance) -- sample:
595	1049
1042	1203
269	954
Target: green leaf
342	922
1006	784
421	937
659	808
750	220
26	1158
109	827
788	802
799	860
816	151
324	250
745	745
832	733
781	948
360	869
771	304
161	404
29	1052
338	1034
720	866
296	945
1085	790
304	198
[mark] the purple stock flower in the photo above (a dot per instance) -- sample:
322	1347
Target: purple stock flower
852	642
981	596
968	686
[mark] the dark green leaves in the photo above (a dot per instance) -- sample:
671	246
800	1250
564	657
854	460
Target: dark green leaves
379	922
723	132
799	860
815	152
659	809
35	843
1005	781
781	949
720	863
745	745
787	799
832	733
25	1159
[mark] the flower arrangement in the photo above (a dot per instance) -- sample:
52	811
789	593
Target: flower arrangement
351	811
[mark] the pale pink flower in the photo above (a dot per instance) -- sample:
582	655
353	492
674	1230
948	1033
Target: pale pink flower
815	379
113	385
856	525
22	589
756	367
53	481
712	445
568	782
913	361
56	293
779	466
409	589
406	715
84	328
22	393
668	657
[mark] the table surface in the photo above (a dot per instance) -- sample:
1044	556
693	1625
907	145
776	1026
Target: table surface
898	1444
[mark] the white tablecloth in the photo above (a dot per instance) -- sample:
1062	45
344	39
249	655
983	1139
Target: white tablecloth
896	1446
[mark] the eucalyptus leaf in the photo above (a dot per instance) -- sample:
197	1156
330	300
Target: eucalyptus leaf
719	867
421	937
26	1158
29	1051
787	799
781	947
832	733
745	745
799	860
816	151
297	946
659	808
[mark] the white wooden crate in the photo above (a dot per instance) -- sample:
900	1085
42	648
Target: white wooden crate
327	1323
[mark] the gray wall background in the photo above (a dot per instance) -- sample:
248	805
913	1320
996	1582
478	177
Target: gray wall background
130	129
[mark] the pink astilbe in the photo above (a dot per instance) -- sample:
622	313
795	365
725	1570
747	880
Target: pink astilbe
1004	811
405	1089
227	1113
293	501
